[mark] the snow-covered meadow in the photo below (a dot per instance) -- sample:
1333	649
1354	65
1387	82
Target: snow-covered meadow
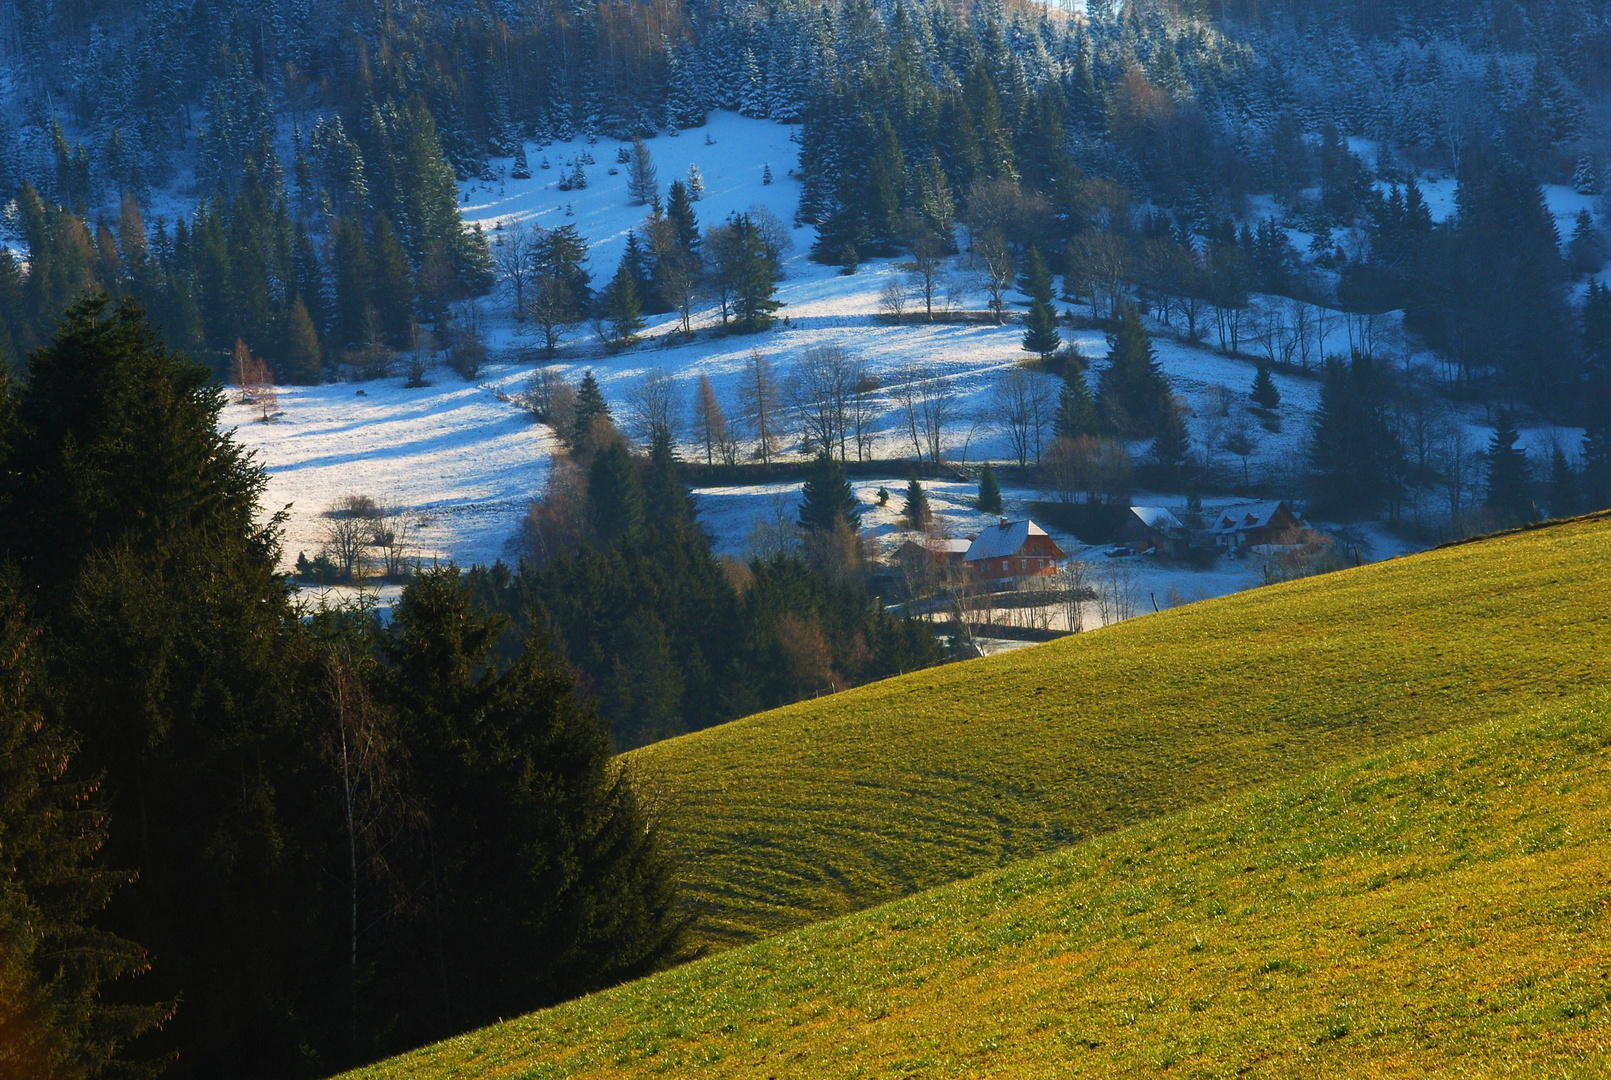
463	461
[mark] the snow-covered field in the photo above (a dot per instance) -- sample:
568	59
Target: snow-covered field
463	462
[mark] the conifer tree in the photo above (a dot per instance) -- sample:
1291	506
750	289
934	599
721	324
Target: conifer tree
1134	392
916	509
391	283
616	495
643	184
826	498
1171	444
590	409
1040	330
680	212
1354	453
514	771
521	169
622	307
989	500
1264	393
1076	415
302	359
353	280
54	1020
1564	499
1507	471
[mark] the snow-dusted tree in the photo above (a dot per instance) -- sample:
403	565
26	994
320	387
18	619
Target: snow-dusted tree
521	169
643	184
695	183
1585	180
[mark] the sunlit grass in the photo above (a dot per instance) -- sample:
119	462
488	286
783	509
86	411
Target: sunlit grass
835	805
1436	908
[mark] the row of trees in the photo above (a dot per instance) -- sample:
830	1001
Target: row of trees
296	840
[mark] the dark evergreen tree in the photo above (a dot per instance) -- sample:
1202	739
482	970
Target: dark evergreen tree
391	284
1508	484
1354	453
621	306
1133	392
826	497
1076	414
989	500
916	508
590	409
55	963
680	212
1172	443
1564	497
1264	393
545	877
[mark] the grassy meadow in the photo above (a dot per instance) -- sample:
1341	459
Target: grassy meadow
1440	907
831	806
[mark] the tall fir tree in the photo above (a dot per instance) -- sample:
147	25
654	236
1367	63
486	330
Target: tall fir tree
916	509
1133	391
1508	482
989	499
826	498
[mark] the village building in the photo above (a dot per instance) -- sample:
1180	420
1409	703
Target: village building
1152	528
932	554
1010	552
1259	527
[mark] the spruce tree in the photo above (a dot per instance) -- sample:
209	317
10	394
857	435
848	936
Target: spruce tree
521	169
826	498
132	521
1355	455
590	409
1507	471
1040	330
616	495
302	362
54	1020
622	307
1564	499
916	509
1076	414
1133	391
1264	393
680	212
1172	443
547	878
989	500
643	184
391	284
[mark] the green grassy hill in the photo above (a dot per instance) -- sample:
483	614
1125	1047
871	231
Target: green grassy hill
1437	908
835	805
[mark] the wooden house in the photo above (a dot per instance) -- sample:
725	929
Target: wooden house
1012	551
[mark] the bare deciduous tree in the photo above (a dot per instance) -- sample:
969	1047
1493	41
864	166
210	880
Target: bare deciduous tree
994	265
892	300
1023	406
514	255
711	422
553	310
653	407
760	397
820	393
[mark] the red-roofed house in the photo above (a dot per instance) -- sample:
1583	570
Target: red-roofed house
1011	551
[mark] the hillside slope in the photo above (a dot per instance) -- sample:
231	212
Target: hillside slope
834	805
1437	908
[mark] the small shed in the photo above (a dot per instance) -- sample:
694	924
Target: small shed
1011	551
1257	525
1153	528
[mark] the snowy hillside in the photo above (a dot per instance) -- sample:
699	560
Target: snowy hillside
465	460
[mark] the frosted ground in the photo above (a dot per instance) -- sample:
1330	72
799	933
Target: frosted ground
462	462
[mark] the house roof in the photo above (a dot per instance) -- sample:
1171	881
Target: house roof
946	546
999	541
1156	517
1252	516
